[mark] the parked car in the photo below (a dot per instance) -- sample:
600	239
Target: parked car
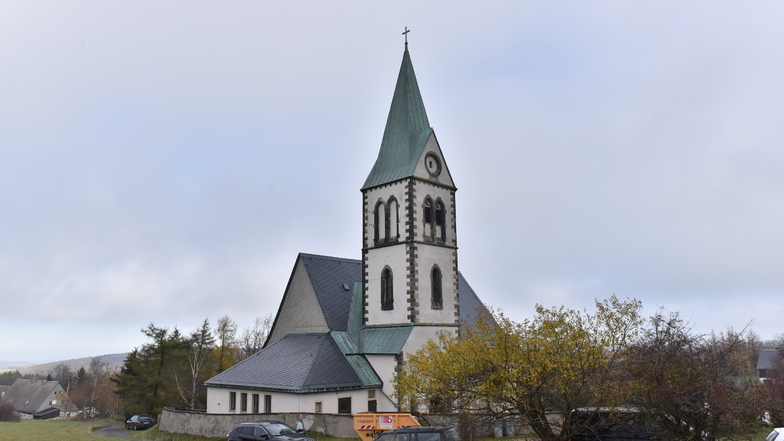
139	422
420	433
267	431
777	434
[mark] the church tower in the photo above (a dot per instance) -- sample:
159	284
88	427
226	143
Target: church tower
409	251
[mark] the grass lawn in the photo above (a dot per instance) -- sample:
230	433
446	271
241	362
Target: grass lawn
65	430
39	430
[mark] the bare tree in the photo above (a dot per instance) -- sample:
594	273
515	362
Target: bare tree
199	347
63	374
253	338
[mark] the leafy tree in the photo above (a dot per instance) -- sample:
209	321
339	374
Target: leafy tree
558	361
94	391
690	382
226	339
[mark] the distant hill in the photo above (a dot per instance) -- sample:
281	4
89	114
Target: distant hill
115	361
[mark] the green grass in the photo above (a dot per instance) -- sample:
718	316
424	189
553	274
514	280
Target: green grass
61	430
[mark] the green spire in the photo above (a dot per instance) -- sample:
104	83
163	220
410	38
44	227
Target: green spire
406	133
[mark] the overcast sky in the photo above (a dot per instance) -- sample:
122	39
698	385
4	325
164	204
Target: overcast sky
166	161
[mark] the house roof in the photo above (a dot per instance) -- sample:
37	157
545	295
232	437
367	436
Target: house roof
27	396
768	358
299	363
406	132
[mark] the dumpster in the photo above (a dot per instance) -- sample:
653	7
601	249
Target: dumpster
370	425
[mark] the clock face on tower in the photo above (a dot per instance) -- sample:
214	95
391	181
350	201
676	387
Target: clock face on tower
432	164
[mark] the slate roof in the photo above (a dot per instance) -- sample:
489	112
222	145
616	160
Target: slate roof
296	363
333	279
406	132
27	396
308	362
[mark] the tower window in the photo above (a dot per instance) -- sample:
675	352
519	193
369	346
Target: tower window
440	232
387	298
393	221
436	294
378	217
428	214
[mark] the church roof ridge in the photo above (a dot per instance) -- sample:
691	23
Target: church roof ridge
406	132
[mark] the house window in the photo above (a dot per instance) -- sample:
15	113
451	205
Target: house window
255	403
372	406
344	405
318	406
232	401
440	232
436	295
387	294
267	403
243	402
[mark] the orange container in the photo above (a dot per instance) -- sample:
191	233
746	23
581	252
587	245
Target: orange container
370	425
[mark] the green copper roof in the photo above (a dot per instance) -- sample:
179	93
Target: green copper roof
406	133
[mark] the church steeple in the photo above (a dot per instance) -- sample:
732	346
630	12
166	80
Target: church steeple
409	243
406	133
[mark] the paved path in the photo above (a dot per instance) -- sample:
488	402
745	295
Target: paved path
114	431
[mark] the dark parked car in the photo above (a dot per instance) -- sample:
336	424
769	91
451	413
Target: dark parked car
267	431
139	422
423	433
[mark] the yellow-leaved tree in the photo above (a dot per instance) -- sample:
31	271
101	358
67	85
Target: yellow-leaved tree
540	369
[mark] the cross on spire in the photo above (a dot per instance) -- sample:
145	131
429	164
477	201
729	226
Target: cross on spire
405	34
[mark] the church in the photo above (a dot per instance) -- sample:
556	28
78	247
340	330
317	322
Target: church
345	326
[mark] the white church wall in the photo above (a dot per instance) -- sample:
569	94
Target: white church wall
428	257
218	401
384	193
378	258
432	147
385	366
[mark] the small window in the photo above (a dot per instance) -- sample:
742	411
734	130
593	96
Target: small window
243	402
232	401
318	406
255	403
344	405
387	293
372	406
436	293
267	403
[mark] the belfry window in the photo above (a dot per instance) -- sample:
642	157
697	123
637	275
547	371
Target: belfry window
387	297
436	294
393	220
428	214
378	217
440	232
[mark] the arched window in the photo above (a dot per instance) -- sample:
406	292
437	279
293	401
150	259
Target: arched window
440	221
428	208
393	221
436	294
387	297
378	218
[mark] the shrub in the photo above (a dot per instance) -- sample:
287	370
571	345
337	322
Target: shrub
7	412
